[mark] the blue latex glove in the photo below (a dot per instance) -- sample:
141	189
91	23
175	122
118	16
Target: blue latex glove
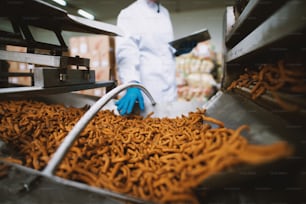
126	103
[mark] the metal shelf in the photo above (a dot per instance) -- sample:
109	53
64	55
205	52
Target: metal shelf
40	59
25	13
268	100
288	21
294	118
253	15
54	90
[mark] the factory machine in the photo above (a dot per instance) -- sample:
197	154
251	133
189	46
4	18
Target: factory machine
53	72
264	33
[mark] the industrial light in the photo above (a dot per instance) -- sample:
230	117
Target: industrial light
60	2
86	14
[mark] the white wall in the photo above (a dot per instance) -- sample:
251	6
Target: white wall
183	23
187	22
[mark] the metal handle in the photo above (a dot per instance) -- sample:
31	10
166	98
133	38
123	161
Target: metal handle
81	124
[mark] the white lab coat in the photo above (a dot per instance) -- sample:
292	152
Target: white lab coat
143	53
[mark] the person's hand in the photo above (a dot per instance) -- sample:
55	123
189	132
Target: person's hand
126	103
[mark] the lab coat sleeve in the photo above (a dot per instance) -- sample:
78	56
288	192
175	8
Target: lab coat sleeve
127	49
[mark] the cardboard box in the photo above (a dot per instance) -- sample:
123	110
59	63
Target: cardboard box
19	67
100	50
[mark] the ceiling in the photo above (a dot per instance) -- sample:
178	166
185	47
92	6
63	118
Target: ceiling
104	10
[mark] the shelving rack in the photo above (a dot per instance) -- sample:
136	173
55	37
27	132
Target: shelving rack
279	32
52	72
264	33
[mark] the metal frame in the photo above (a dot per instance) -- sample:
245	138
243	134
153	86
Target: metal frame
54	90
25	13
265	32
286	21
47	60
249	19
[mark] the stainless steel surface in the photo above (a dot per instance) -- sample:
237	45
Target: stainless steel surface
269	101
81	124
47	60
255	12
15	188
48	77
286	21
265	127
266	183
269	32
16	74
248	9
54	90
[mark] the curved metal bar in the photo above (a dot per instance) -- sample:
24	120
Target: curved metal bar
81	124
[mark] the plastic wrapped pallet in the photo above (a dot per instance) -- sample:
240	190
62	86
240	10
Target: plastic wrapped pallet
196	73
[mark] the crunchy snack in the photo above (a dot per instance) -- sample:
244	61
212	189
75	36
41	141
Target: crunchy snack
274	78
156	159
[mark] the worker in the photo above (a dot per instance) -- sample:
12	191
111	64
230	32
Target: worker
143	54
